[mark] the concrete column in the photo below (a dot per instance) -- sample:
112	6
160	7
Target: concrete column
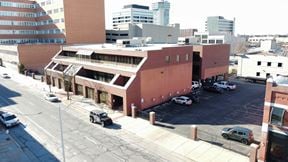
33	75
253	152
194	132
226	76
152	117
84	91
134	111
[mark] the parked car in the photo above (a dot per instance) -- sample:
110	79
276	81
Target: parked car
213	88
8	119
241	134
196	84
100	117
182	100
51	97
225	85
5	76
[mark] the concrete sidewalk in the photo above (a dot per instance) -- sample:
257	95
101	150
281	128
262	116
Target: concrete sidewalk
176	144
10	151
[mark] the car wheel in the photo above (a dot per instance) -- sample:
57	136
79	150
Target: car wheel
228	89
244	141
102	124
91	119
225	136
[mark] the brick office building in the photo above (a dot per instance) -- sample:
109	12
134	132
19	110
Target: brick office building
124	76
210	61
274	143
50	23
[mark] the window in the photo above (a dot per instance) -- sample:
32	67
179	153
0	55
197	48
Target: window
277	116
258	74
279	64
259	63
267	75
268	63
177	58
167	59
211	41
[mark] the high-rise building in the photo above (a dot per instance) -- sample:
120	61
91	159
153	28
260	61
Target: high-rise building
218	24
161	12
51	21
132	14
31	31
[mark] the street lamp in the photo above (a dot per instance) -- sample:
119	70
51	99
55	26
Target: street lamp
61	132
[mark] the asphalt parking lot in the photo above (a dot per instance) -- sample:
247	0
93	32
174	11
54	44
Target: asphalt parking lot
242	107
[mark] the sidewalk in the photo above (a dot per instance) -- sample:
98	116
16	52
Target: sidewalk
10	151
176	144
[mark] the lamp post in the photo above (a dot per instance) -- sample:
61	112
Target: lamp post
61	132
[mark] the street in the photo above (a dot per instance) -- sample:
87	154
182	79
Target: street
39	131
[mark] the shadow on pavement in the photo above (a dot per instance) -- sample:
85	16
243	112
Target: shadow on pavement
30	146
5	100
114	126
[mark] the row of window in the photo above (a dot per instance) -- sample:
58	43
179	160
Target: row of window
121	21
213	41
55	11
259	63
29	32
168	58
135	17
23	41
48	2
30	23
30	14
17	14
15	4
267	74
115	34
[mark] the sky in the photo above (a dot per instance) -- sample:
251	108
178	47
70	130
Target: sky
252	16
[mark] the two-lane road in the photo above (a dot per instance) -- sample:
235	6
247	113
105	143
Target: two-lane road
39	132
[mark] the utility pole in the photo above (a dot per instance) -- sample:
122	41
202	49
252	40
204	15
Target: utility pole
61	132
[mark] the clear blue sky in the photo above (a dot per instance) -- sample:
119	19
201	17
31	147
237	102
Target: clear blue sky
252	16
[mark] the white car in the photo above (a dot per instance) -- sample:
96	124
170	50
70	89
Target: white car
8	119
225	85
182	100
51	97
196	84
5	76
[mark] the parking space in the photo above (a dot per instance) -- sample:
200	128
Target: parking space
242	107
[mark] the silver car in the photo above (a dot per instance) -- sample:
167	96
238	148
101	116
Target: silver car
8	119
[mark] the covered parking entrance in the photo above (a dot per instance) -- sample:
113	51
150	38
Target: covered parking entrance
117	102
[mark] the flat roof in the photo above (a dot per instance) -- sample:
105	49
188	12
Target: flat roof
147	47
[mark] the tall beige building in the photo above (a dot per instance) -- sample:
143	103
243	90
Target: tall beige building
52	21
38	28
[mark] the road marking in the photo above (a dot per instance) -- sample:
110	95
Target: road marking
91	140
37	125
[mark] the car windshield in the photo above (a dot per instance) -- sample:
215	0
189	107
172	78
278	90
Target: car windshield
9	117
51	95
103	115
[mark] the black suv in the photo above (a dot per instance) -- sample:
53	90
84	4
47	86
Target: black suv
100	117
